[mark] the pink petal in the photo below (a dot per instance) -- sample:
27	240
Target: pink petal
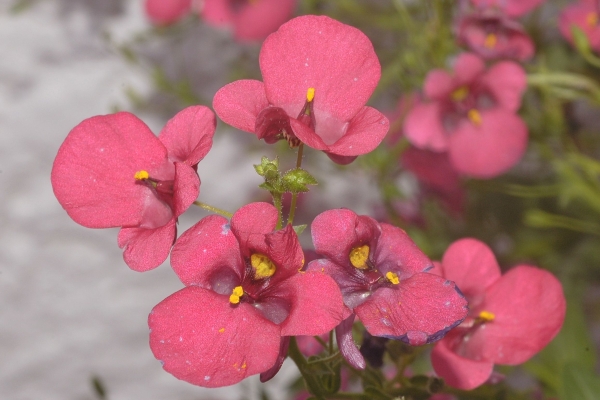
251	222
165	12
311	52
467	68
283	248
506	81
257	19
529	308
283	351
397	252
490	149
432	168
188	135
457	371
422	309
239	103
423	127
217	12
202	339
341	160
145	249
345	342
316	301
93	173
471	265
307	135
186	188
512	8
208	255
438	84
365	132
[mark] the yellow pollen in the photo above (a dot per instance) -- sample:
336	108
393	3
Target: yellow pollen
474	116
310	94
262	265
141	175
592	19
359	256
490	41
222	329
460	94
244	365
392	277
486	316
236	293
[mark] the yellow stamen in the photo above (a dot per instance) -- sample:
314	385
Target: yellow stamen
474	116
310	94
490	41
359	256
263	266
460	94
236	293
392	277
141	175
592	19
486	316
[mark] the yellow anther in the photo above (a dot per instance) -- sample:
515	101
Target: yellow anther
359	257
460	94
244	366
392	277
236	293
490	41
592	19
141	175
310	94
486	316
262	265
474	116
223	329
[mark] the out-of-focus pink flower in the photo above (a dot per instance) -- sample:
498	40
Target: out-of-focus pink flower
166	12
250	19
244	298
512	8
471	114
309	346
111	171
314	90
584	15
511	317
380	272
491	34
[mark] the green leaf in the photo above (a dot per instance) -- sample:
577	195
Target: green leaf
296	180
579	383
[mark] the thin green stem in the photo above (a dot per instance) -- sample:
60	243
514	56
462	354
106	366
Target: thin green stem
216	210
278	205
295	195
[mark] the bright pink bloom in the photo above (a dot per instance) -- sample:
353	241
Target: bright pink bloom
585	15
511	317
250	19
314	90
512	8
381	274
166	12
111	171
472	115
244	297
491	34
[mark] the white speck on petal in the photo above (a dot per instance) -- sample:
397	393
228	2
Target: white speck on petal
207	378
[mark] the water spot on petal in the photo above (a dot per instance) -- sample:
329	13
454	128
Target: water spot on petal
225	229
180	339
207	378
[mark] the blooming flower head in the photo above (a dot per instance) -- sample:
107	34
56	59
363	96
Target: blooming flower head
511	316
471	113
512	8
381	274
112	171
314	90
250	19
244	297
584	15
166	12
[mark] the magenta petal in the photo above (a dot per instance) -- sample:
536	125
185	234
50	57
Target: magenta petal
201	338
145	249
283	350
251	222
307	135
186	188
529	308
283	248
490	149
423	127
438	84
257	19
345	342
467	68
216	12
188	135
165	12
422	309
506	81
208	255
93	173
471	265
311	52
397	252
457	371
239	103
365	132
316	301
341	160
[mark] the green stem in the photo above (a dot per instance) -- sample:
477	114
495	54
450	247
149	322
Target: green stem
277	203
295	195
216	210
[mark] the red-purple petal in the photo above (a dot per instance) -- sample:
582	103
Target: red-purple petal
506	81
423	127
145	249
239	103
186	188
396	252
345	342
307	135
251	222
365	132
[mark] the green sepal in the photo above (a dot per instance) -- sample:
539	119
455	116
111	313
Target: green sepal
296	180
269	169
299	229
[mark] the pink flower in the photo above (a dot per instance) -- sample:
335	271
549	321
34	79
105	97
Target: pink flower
250	19
585	16
491	34
380	272
244	297
166	12
511	317
472	115
512	8
314	90
111	171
